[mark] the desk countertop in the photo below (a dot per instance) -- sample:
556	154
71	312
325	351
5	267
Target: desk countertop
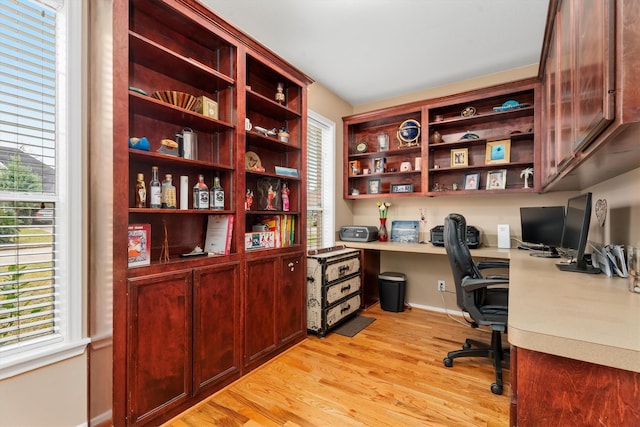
587	317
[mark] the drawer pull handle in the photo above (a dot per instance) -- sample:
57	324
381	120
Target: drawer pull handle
347	308
343	270
311	279
345	288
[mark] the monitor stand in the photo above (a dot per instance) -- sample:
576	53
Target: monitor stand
551	253
578	267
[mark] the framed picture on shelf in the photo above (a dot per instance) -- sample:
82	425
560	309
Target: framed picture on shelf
379	164
459	157
497	179
498	152
402	188
354	167
472	181
269	194
373	186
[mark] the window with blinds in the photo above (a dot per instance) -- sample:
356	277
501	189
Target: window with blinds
320	181
29	70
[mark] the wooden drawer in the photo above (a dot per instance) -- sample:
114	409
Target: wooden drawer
339	290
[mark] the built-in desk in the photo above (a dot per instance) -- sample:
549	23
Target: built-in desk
592	318
575	340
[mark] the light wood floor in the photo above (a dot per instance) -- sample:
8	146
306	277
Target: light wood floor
390	374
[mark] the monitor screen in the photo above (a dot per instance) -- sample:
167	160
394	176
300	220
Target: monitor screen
542	226
575	232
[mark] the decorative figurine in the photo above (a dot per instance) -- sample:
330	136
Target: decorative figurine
248	199
270	196
280	94
284	191
526	173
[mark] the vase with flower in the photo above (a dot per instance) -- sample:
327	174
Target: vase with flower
383	209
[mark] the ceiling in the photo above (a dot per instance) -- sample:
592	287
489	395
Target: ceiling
369	50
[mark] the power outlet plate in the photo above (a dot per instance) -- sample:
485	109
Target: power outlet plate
441	285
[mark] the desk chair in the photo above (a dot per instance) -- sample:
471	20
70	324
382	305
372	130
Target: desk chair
486	306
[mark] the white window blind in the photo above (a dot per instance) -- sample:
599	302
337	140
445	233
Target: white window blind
320	181
27	173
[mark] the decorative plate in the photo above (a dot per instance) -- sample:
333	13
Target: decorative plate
468	112
362	147
409	132
509	105
252	161
601	211
470	135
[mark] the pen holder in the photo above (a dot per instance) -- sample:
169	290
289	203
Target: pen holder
633	265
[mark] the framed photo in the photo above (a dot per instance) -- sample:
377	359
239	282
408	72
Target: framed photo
498	152
374	186
354	167
402	188
472	181
496	180
379	164
459	157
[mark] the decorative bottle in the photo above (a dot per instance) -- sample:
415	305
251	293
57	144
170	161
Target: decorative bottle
155	189
216	195
168	193
200	194
141	192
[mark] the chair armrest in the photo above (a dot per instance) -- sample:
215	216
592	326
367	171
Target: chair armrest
470	285
492	264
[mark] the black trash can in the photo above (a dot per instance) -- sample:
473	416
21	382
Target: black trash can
391	287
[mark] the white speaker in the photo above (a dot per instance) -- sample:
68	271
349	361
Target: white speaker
504	241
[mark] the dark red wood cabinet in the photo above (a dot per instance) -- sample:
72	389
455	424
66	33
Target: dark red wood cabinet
184	327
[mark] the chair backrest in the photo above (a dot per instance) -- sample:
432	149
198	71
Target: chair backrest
455	243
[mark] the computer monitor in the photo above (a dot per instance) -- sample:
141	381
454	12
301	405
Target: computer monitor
575	232
542	228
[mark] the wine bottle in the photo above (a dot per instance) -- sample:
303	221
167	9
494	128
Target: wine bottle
216	196
155	189
200	194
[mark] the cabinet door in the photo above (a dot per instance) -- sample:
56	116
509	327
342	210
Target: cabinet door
259	308
216	325
565	129
159	343
290	303
593	68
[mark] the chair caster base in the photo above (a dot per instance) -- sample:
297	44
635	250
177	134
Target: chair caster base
448	362
496	388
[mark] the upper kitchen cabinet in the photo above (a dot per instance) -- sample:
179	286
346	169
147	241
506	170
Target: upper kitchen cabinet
591	104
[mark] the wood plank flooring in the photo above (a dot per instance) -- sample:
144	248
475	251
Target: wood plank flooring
390	374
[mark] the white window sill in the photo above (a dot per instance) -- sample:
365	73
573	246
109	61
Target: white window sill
19	364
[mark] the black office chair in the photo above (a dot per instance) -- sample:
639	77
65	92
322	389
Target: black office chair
486	306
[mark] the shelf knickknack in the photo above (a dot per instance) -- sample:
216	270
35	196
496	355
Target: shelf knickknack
409	133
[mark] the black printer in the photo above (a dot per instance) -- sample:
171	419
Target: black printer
473	236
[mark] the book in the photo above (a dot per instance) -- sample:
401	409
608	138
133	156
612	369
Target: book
139	245
259	240
219	232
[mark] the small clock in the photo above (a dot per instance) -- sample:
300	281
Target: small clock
361	147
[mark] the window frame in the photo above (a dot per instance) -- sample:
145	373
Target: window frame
328	128
68	341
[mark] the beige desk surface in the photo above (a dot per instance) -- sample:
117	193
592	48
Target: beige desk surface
586	317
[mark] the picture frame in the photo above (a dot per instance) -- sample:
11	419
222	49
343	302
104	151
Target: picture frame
373	186
496	179
498	152
472	181
459	157
379	164
354	167
402	188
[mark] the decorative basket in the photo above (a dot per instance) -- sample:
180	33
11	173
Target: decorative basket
173	97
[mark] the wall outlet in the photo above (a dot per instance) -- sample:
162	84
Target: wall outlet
441	286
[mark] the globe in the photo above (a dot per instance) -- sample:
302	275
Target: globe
409	131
